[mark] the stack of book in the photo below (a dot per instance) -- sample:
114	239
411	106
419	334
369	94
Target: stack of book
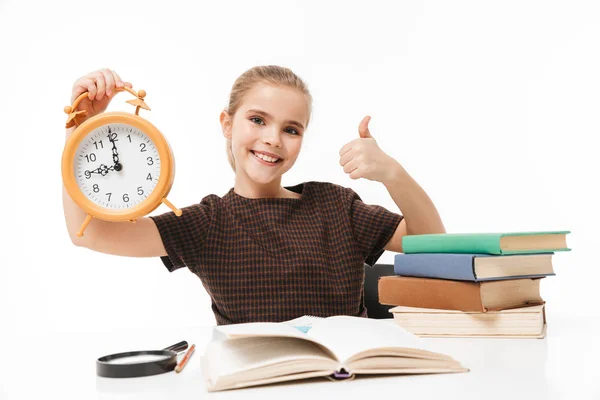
472	284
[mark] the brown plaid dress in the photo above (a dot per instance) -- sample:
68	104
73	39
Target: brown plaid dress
274	259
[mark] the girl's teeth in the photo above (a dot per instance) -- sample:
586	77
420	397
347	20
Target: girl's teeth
266	158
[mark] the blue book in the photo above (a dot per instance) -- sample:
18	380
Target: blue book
474	267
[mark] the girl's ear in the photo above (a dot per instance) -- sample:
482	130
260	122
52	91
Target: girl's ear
226	123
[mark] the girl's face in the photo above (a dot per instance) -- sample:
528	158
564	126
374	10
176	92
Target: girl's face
269	123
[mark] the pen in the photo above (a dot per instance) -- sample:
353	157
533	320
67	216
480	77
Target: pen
185	359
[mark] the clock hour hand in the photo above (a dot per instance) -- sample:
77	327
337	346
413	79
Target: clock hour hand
101	170
112	137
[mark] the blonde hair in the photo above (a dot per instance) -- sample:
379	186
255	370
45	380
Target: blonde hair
269	74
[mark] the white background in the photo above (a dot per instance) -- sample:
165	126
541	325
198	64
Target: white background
493	107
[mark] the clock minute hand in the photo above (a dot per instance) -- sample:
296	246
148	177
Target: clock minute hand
115	154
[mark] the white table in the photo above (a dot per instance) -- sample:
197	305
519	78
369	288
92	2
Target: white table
564	365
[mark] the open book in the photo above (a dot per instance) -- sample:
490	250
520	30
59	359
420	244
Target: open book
338	347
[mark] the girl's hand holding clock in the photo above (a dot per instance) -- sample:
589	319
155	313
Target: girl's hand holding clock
100	86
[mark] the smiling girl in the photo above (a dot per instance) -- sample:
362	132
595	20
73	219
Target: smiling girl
262	251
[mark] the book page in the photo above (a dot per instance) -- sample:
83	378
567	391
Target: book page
303	323
347	336
266	329
227	358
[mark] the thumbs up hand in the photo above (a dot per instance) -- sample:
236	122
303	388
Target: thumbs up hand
362	157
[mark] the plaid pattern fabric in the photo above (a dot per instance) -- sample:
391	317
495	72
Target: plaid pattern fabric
274	259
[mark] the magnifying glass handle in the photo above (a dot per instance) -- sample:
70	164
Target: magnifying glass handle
177	347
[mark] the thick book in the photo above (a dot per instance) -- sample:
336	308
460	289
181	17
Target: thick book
487	243
337	347
459	295
518	323
473	267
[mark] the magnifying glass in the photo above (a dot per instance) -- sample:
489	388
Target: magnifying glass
139	363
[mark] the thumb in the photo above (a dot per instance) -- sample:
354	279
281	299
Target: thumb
363	128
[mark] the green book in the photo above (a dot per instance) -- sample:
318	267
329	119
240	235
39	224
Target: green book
487	243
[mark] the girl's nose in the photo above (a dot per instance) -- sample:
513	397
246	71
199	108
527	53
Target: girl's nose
271	136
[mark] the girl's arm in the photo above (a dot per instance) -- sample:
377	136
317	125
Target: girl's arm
362	158
420	214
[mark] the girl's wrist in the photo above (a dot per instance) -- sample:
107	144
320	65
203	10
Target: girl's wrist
396	174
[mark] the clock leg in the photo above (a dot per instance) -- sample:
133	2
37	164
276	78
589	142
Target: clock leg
84	225
176	210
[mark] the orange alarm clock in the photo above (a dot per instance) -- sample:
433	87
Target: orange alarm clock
117	166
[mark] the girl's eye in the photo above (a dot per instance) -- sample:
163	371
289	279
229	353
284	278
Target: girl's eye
261	122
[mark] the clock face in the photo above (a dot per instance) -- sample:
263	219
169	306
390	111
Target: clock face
117	166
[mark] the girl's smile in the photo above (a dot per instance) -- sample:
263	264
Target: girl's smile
266	158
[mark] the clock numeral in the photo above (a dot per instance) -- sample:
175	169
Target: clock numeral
96	144
143	146
150	161
112	136
149	177
140	190
126	198
129	136
90	157
87	174
96	188
109	194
